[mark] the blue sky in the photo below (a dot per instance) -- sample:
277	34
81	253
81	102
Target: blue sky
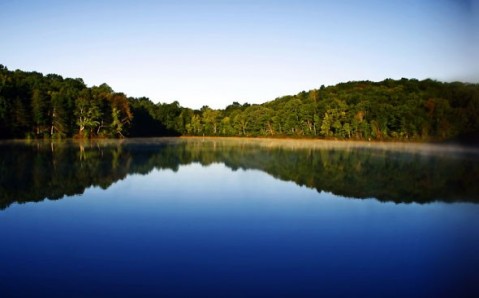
216	52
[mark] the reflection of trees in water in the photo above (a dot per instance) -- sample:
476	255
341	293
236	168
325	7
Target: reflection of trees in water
38	171
32	172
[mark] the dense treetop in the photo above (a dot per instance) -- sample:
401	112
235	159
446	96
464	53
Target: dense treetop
33	105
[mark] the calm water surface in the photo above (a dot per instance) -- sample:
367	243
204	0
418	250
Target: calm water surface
238	218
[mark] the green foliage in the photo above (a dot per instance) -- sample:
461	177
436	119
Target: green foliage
388	110
35	105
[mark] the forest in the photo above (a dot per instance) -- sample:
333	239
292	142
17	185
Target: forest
33	105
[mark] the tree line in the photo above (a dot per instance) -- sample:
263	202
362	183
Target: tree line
36	106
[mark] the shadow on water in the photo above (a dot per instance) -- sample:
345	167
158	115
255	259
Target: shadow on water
33	171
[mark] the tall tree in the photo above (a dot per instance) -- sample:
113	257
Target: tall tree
87	114
40	111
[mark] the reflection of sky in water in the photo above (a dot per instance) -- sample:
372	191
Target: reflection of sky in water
212	231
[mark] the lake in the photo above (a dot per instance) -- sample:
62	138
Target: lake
200	217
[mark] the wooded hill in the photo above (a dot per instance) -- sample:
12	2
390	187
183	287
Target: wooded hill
33	105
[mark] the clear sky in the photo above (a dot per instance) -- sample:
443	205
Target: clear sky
216	52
